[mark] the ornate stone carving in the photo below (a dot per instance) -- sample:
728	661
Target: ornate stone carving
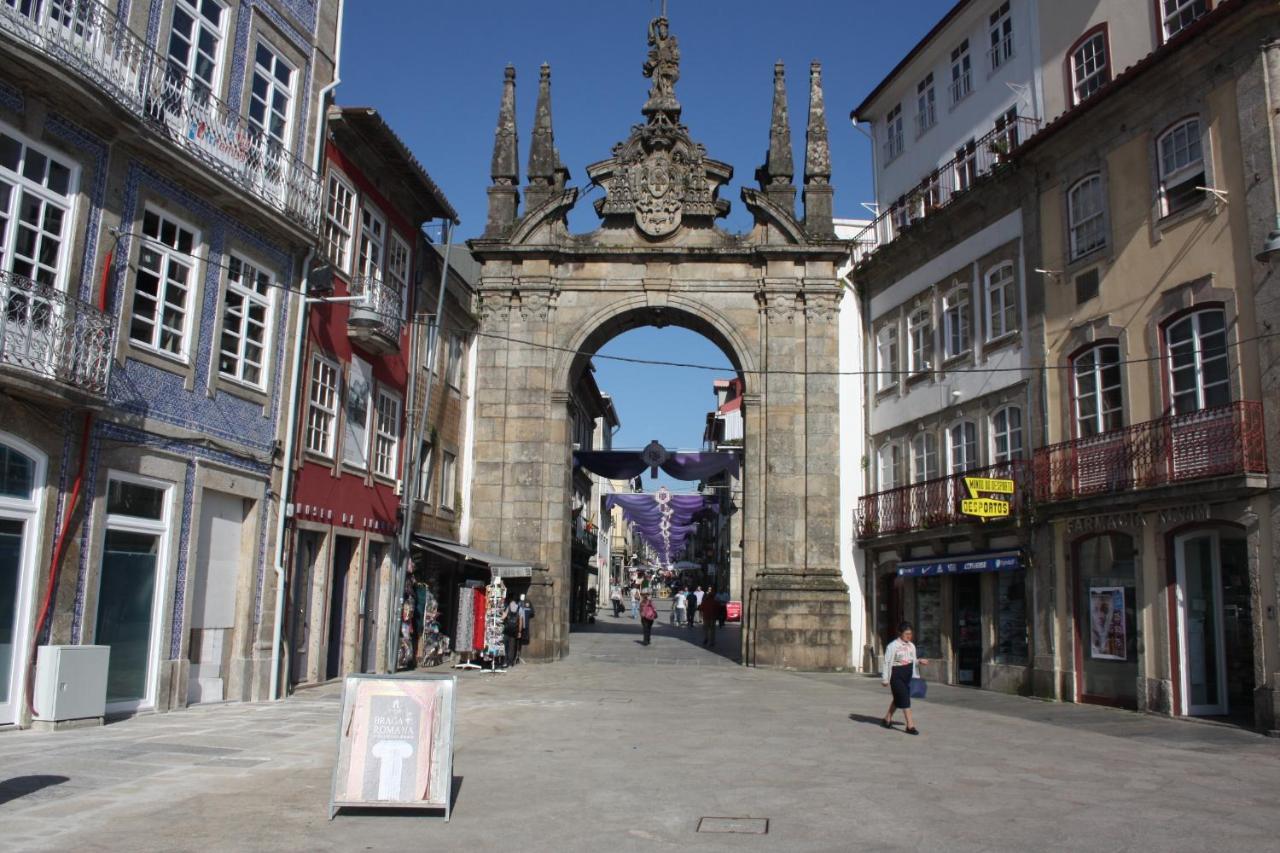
663	67
822	307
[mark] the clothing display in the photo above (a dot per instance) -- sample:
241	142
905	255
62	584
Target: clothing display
464	638
481	609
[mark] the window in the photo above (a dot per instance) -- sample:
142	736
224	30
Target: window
955	323
1011	618
1198	370
887	356
1084	216
386	434
340	206
1090	70
35	202
966	165
17	474
426	470
899	215
162	285
920	339
1006	434
924	457
1002	302
245	318
1001	36
961	73
894	143
271	95
372	239
1099	396
930	194
453	371
926	105
890	474
322	411
962	447
1178	14
195	46
398	267
929	617
448	479
1181	166
1007	131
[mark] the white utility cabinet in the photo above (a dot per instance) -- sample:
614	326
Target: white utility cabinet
71	683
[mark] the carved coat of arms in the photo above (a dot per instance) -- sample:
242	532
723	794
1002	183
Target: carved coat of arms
657	184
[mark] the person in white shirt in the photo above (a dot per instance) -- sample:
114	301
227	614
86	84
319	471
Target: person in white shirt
900	666
678	612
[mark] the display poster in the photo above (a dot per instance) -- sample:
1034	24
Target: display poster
355	435
733	611
395	744
928	628
1107	640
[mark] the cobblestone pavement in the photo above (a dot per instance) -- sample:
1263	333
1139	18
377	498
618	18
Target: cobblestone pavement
625	747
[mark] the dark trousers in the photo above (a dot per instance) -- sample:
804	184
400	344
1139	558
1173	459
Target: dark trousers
647	624
512	645
617	608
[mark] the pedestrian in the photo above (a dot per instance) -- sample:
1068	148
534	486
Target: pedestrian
512	626
635	601
698	595
679	610
722	611
526	624
648	615
616	598
900	666
710	608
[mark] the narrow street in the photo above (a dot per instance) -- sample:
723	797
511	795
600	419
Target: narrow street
625	747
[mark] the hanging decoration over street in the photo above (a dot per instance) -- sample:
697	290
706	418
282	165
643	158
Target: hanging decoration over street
665	521
628	464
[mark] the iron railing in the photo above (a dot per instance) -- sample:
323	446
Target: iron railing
89	39
1213	442
938	188
53	336
379	306
937	502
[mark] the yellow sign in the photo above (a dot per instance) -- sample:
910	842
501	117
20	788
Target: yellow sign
985	507
988	485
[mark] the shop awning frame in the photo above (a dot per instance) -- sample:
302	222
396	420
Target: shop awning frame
500	567
963	564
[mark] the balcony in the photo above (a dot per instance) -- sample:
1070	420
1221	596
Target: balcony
938	188
375	312
88	39
936	503
1219	442
51	344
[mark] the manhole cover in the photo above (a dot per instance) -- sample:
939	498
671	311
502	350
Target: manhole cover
735	825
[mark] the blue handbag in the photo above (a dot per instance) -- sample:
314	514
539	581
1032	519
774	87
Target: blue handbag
919	688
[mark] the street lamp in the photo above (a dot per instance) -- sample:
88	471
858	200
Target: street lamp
1270	253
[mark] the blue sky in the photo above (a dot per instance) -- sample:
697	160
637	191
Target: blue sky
434	70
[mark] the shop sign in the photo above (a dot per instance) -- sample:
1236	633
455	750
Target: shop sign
1006	562
1104	523
733	611
986	507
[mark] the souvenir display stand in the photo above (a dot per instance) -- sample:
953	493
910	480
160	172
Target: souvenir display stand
494	640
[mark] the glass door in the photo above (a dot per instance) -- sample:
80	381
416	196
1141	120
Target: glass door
20	475
369	605
11	656
1204	689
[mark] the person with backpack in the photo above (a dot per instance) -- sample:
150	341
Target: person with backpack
512	625
648	615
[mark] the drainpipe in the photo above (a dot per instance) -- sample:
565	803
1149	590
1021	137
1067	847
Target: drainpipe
291	416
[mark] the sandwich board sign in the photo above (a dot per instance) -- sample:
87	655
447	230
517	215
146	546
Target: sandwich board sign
395	743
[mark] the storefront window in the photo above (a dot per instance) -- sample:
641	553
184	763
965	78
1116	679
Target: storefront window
1011	618
1106	614
928	627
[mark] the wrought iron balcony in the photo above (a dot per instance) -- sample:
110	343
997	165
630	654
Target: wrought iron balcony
374	318
87	38
1218	442
937	502
46	336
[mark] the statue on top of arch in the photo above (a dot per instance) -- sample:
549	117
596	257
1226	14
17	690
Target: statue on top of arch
663	67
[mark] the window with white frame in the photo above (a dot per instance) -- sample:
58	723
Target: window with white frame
36	192
162	284
899	215
322	406
966	165
890	473
955	323
1199	376
926	105
194	56
1007	134
1099	395
920	339
961	73
373	236
426	471
887	356
930	193
271	95
1006	434
448	479
1090	70
924	457
894	141
386	433
1181	161
1085	216
453	371
962	447
246	319
1179	14
339	219
398	267
1002	301
1001	36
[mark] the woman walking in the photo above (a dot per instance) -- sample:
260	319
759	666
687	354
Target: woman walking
900	666
648	615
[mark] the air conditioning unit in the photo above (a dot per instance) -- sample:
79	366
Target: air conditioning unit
71	684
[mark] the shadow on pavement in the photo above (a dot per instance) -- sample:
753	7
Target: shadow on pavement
866	718
21	786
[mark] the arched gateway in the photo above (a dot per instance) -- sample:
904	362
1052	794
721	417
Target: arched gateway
768	298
